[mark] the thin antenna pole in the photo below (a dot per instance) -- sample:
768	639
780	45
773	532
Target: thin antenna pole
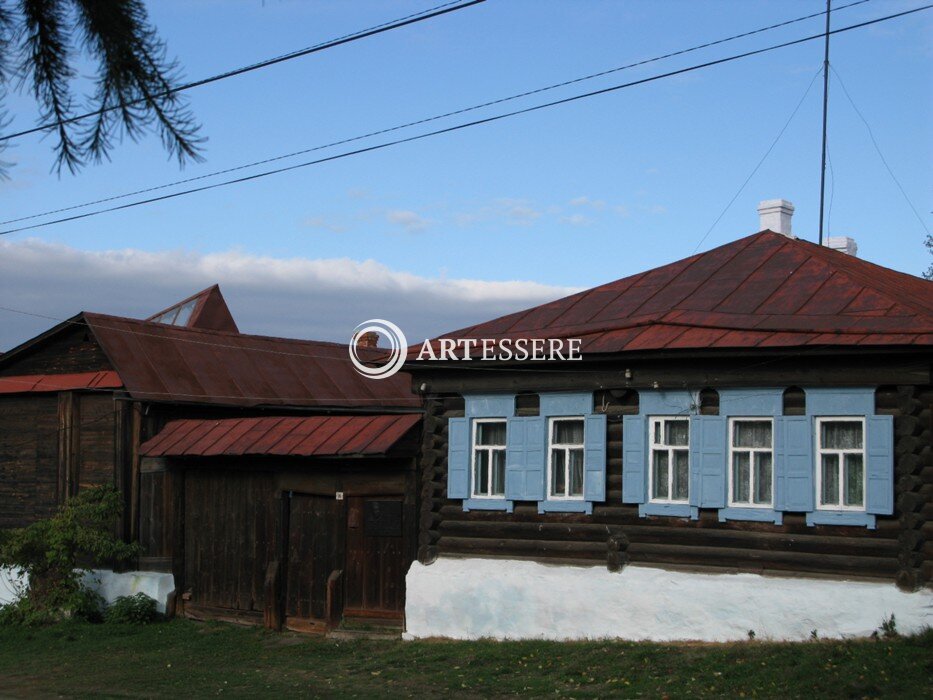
825	110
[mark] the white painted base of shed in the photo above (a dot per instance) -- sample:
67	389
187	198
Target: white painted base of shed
511	599
108	584
111	585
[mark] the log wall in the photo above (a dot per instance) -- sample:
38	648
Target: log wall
900	549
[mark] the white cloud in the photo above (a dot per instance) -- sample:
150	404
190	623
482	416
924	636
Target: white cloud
597	204
409	220
321	222
577	220
518	211
321	299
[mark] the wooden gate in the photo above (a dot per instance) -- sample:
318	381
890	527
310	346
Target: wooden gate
376	558
315	554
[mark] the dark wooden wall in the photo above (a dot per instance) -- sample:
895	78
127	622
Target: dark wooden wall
219	523
54	444
29	462
231	535
901	548
68	351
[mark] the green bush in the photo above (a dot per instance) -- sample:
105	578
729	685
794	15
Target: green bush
56	552
137	609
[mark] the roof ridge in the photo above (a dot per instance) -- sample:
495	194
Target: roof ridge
210	331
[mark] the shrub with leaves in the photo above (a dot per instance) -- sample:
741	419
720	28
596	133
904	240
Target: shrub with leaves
56	552
137	609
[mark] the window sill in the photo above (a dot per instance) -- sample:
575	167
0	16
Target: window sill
567	506
761	515
675	510
841	517
486	504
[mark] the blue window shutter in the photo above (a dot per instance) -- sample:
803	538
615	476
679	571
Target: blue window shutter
880	465
524	459
708	461
458	458
634	459
594	459
795	465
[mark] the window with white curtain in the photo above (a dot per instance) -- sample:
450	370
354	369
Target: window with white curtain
751	459
488	458
565	458
840	463
669	472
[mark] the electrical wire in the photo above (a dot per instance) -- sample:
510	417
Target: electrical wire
430	13
760	162
459	127
426	120
884	160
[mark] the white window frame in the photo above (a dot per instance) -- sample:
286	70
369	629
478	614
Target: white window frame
486	448
566	447
819	452
751	470
652	446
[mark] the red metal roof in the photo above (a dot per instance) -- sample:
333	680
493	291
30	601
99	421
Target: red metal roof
159	362
300	436
32	383
765	290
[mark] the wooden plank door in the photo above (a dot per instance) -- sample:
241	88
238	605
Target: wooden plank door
376	558
314	552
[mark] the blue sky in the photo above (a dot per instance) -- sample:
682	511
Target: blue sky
468	225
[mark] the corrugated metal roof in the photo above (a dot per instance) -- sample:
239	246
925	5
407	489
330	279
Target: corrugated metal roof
159	362
764	290
304	436
33	383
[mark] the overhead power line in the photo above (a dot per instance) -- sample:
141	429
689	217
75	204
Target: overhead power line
874	142
430	13
426	120
760	162
466	125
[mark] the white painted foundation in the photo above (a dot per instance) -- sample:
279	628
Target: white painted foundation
509	599
111	585
107	583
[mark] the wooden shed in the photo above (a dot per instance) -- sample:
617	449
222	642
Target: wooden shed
297	520
233	452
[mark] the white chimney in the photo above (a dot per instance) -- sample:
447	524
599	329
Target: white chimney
843	244
775	214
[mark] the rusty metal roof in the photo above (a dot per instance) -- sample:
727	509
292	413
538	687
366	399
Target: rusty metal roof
35	383
764	290
159	362
300	436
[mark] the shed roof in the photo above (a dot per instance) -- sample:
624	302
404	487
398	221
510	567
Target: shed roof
300	436
764	290
159	362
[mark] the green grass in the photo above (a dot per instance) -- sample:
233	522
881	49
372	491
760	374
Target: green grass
182	657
